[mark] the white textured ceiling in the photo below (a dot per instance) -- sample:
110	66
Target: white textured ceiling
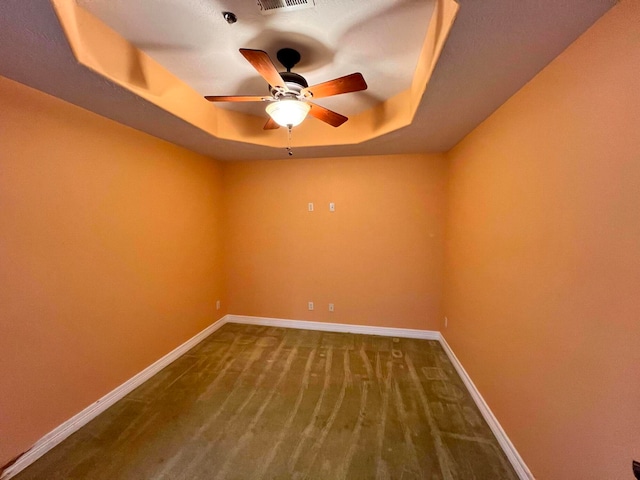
381	39
494	48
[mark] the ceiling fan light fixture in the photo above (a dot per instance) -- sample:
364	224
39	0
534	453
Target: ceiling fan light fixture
288	113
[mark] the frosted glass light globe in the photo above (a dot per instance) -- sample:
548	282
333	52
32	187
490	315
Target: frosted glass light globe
288	113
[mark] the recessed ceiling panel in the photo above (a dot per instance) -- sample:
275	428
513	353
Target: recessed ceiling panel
382	39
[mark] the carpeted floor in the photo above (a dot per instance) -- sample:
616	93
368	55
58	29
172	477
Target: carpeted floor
272	403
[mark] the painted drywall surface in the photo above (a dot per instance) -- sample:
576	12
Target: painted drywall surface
542	287
110	258
377	258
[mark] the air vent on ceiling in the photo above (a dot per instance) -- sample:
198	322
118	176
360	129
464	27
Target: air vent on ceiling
268	7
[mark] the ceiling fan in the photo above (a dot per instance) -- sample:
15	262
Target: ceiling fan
290	99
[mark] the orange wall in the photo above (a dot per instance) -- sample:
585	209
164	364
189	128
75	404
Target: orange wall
112	253
378	257
109	257
542	284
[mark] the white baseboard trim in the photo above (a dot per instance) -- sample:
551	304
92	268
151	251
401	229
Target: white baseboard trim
509	449
64	430
334	327
58	434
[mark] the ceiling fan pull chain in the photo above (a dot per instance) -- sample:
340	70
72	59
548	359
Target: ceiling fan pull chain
289	151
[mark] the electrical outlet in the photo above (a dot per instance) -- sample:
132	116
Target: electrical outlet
217	304
310	305
446	322
310	207
331	307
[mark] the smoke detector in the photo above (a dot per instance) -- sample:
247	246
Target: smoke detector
267	7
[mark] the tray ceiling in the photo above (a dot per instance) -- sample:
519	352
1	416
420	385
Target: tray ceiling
382	39
494	48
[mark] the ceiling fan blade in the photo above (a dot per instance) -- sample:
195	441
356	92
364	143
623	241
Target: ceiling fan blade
271	124
265	67
349	83
328	116
237	98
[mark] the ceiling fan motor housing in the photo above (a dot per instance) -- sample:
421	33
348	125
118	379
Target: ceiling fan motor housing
289	57
294	82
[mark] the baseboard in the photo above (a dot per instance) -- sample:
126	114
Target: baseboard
64	430
335	327
509	449
69	427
